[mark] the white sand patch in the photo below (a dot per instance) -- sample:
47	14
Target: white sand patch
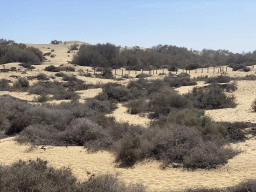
121	115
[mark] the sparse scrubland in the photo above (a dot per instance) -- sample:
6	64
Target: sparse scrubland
179	135
36	175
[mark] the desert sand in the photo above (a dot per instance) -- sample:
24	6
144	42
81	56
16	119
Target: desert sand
241	167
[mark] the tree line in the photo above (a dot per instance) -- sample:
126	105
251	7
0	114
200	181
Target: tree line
160	56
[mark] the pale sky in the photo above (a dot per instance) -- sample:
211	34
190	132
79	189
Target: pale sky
210	24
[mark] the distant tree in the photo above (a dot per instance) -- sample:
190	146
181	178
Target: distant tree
55	42
74	46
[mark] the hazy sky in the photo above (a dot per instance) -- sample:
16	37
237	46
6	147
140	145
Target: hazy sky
210	24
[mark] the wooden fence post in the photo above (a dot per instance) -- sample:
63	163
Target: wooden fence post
226	69
156	71
142	70
87	71
202	70
153	71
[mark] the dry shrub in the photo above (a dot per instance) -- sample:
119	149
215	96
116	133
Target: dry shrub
162	103
4	85
137	106
210	98
218	79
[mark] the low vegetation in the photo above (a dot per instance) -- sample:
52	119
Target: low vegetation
210	98
4	85
36	175
86	125
218	79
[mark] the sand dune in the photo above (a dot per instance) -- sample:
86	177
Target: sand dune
242	166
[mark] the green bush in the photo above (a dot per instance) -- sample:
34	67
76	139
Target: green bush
55	88
43	97
128	151
4	85
52	68
136	106
218	79
42	76
34	175
20	53
181	80
164	102
106	106
23	82
60	74
74	46
210	98
143	75
115	92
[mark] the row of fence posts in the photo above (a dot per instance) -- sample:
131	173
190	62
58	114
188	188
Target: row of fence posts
153	71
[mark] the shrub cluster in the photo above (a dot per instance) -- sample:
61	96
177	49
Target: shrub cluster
20	53
236	67
52	68
27	65
182	79
161	104
112	91
55	88
21	84
218	79
143	75
74	47
210	98
229	87
4	85
56	42
85	125
36	175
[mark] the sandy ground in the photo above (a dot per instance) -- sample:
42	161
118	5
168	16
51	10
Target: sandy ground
242	166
